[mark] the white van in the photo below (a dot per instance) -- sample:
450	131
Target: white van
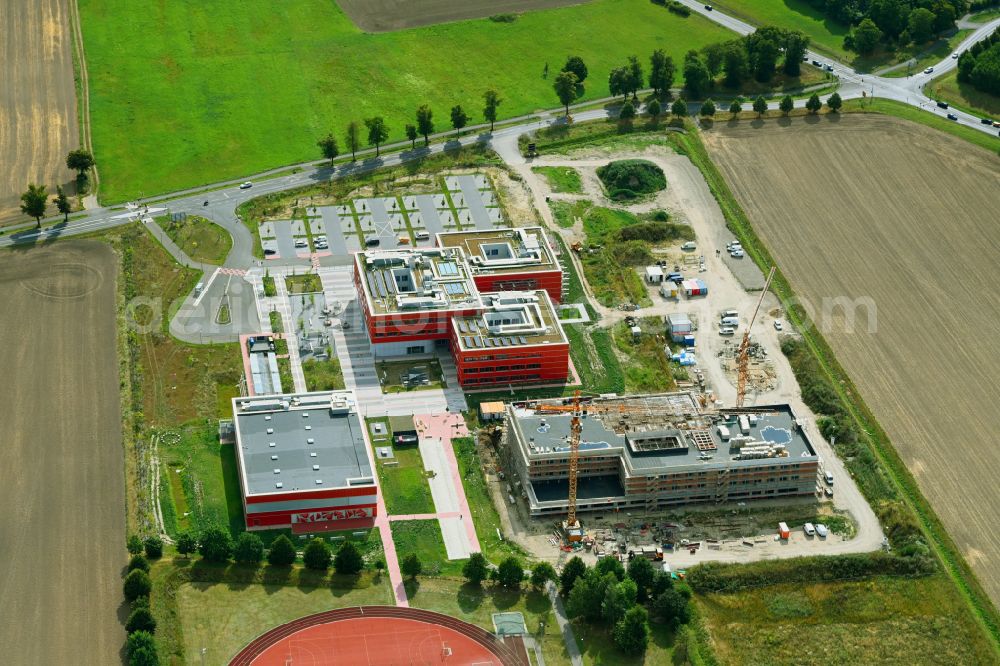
733	322
724	330
809	529
729	313
828	477
422	235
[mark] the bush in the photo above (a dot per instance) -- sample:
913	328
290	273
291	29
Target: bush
140	648
215	544
656	231
348	560
411	565
629	179
316	555
138	562
153	546
476	569
134	544
140	620
282	552
510	573
137	584
186	543
249	549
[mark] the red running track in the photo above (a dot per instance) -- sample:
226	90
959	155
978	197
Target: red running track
378	636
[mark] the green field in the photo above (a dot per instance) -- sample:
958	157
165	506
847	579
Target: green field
561	179
200	239
826	34
322	374
207	90
883	620
964	96
423	537
404	484
647	368
565	213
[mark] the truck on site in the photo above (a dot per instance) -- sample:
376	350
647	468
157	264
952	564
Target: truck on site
783	531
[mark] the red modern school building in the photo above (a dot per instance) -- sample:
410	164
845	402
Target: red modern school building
303	462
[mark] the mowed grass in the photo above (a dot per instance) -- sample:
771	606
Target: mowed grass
561	179
423	537
200	239
826	34
223	618
404	484
965	96
190	92
897	620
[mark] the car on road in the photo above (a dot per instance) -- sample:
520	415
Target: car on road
996	123
821	530
955	55
708	8
952	116
777	325
726	330
246	186
987	121
736	253
828	491
942	105
929	70
817	63
829	68
809	529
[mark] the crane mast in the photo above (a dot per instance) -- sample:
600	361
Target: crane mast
572	526
743	354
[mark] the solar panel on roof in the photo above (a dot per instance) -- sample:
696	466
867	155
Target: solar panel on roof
371	283
504	342
488	342
523	340
467	341
478	341
447	268
462	327
454	288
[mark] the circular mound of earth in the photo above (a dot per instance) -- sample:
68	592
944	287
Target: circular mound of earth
625	180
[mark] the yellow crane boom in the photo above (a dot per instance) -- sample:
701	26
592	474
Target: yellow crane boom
743	354
574	458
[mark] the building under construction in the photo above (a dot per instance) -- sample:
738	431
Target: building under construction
656	451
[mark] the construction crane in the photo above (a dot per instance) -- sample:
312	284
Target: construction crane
572	527
743	354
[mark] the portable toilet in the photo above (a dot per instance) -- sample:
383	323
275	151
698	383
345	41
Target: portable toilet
783	530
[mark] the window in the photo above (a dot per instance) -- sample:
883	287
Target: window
416	349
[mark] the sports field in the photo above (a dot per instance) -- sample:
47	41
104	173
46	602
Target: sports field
190	92
38	123
62	528
897	219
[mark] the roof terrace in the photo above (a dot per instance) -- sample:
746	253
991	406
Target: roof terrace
502	250
511	319
415	280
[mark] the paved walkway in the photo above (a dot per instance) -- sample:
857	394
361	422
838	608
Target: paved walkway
285	310
564	626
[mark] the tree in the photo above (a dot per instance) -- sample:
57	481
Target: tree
586	596
33	204
735	64
635	77
573	569
661	72
425	122
316	555
491	99
609	564
944	16
679	108
696	78
81	161
618	599
618	82
510	573
153	545
631	633
249	549
282	552
186	543
215	544
137	561
795	50
672	607
627	113
736	107
714	55
920	25
653	109
541	574
378	132
62	203
328	146
575	64
760	106
889	15
763	49
140	620
137	584
834	102
348	560
140	647
353	138
458	119
133	544
565	87
411	565
786	105
866	37
813	104
411	135
476	569
707	111
641	571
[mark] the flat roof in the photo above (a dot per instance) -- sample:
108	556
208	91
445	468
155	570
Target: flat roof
416	280
667	432
510	319
303	441
499	251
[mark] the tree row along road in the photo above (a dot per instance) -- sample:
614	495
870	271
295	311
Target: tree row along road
222	203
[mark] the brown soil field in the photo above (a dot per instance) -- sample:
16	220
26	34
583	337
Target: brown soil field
873	207
38	120
62	478
389	15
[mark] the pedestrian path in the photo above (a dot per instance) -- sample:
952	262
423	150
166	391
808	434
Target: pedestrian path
285	310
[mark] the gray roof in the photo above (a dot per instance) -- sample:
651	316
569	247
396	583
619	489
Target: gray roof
339	448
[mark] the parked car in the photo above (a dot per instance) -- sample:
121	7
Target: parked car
422	235
301	243
828	477
689	246
809	529
725	330
777	325
928	70
737	253
952	116
821	530
246	186
269	252
828	491
372	241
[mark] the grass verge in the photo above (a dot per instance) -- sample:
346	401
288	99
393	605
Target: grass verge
561	179
965	96
423	537
323	374
402	479
200	239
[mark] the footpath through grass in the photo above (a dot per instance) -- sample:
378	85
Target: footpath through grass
200	239
211	90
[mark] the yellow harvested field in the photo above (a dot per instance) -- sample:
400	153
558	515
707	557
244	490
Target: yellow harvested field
903	222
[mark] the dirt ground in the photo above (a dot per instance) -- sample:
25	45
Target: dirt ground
38	122
62	479
389	15
901	220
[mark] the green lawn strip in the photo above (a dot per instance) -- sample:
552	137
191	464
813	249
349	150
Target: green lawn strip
451	204
406	221
304	283
202	67
402	479
223	607
561	179
390	375
965	96
900	110
565	213
903	620
277	326
896	471
484	513
929	55
423	537
593	355
285	374
985	16
477	605
323	374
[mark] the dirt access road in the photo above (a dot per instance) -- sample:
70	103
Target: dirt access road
62	478
901	220
389	15
38	121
